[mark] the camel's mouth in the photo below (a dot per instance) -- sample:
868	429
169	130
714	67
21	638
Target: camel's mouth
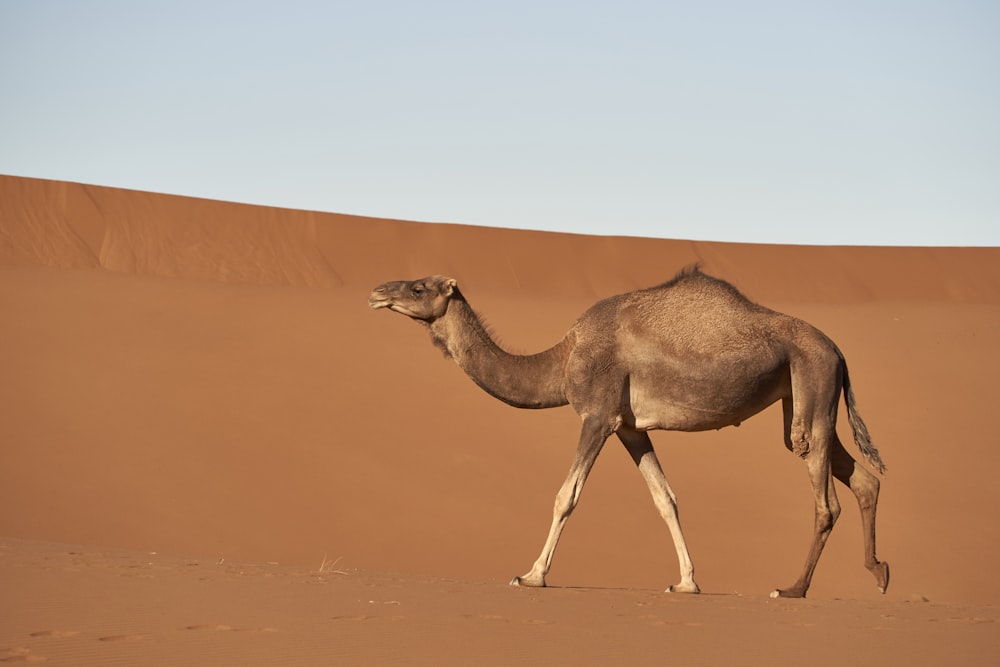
377	302
379	298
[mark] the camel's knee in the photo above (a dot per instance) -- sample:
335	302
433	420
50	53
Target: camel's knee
562	508
826	518
666	503
566	501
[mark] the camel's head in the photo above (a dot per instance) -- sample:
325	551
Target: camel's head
425	299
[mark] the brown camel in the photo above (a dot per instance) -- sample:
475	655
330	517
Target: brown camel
692	354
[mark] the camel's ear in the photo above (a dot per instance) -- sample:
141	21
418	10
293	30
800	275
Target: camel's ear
449	286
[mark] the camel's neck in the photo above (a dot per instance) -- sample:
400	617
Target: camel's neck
524	381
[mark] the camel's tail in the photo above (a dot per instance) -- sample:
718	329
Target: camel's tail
861	436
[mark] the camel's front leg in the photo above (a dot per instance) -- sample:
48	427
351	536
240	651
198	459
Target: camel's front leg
641	450
592	438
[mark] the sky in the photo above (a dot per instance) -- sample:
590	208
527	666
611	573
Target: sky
804	122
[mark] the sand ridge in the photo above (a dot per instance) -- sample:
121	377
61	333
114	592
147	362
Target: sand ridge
70	225
205	381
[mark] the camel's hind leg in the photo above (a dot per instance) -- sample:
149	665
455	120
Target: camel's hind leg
641	450
827	512
812	436
865	487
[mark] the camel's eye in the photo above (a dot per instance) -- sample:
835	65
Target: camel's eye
417	289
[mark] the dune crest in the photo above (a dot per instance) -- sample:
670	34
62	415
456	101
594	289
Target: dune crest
71	225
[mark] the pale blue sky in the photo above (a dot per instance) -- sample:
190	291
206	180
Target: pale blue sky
788	122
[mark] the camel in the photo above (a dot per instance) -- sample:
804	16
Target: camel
691	354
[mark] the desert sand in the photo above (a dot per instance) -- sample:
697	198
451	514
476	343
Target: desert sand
213	452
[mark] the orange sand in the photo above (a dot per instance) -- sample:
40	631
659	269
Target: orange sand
199	410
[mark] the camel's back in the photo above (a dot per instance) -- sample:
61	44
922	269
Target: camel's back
695	294
692	310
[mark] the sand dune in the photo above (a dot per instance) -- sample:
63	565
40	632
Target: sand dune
68	225
204	380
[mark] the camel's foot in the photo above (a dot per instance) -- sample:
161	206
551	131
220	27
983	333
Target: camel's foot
881	573
794	592
529	581
684	587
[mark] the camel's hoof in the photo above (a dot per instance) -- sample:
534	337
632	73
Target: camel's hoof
683	588
524	581
787	593
881	574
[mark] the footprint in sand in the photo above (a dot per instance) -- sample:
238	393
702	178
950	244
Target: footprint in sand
492	617
228	628
20	654
57	634
121	638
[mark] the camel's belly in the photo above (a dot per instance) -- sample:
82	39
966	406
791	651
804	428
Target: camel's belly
679	417
689	405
